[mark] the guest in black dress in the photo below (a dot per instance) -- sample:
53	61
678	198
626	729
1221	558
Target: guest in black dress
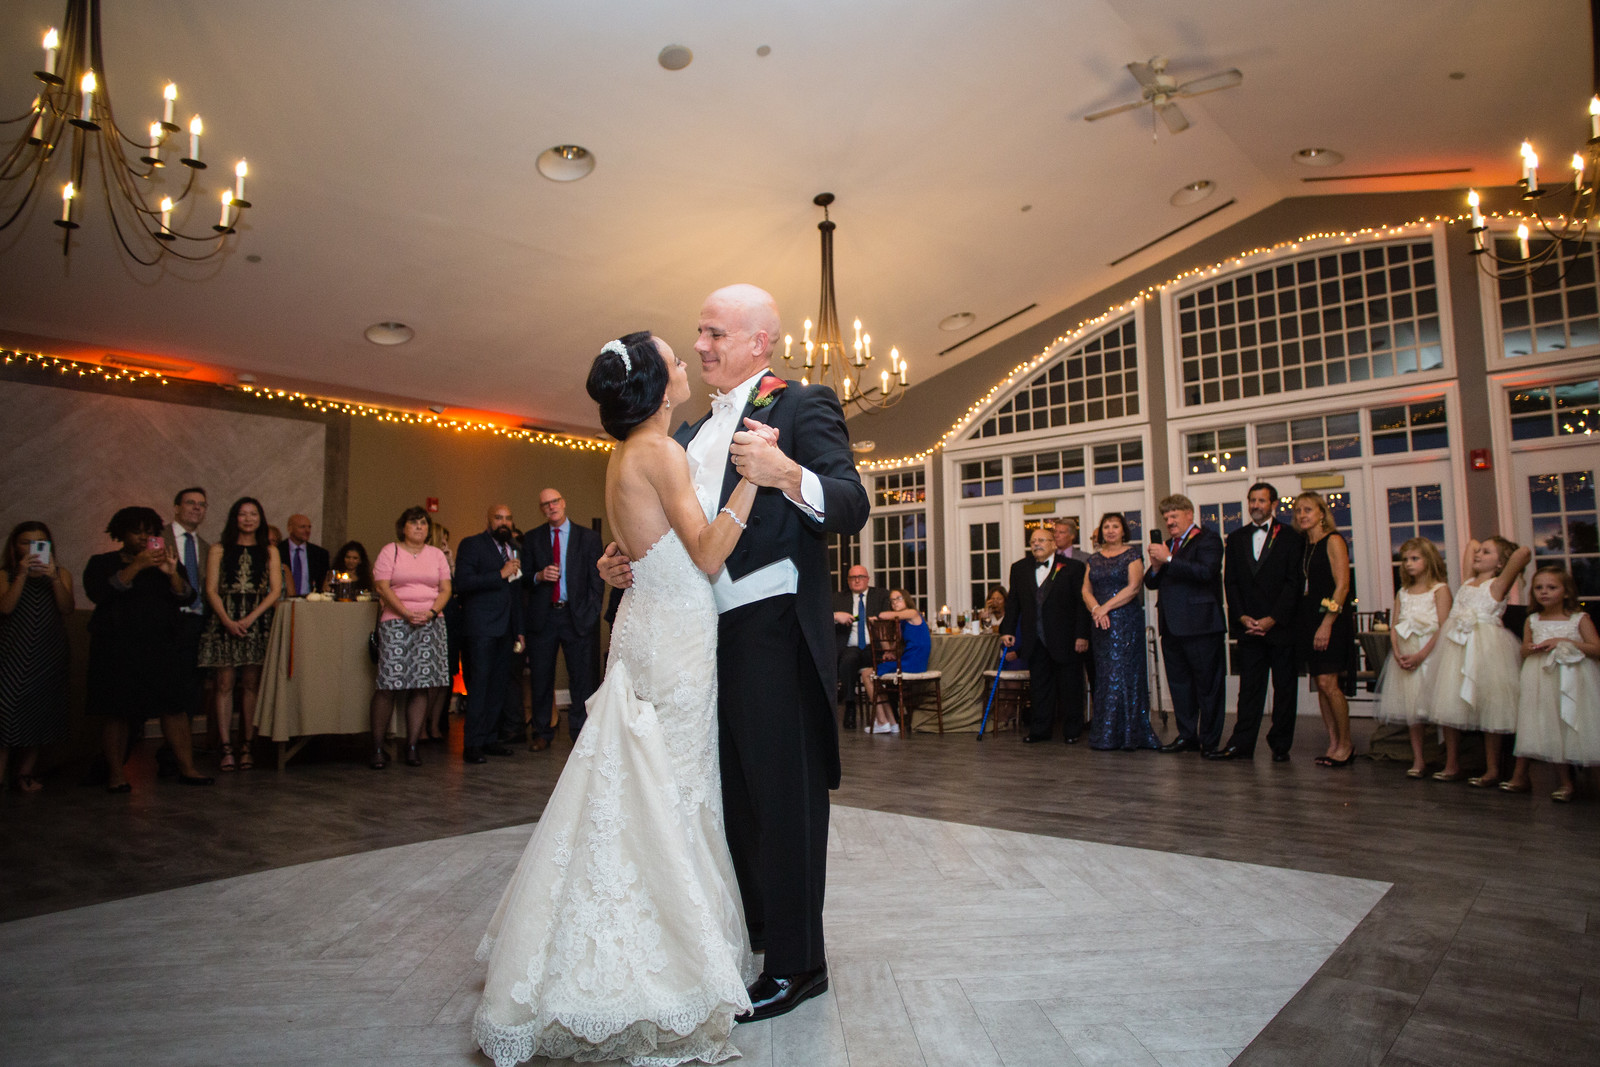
244	579
133	642
1324	630
35	598
1113	591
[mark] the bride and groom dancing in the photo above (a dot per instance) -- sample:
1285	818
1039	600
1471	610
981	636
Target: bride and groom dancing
689	828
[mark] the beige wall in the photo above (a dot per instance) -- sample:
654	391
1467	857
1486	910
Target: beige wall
393	466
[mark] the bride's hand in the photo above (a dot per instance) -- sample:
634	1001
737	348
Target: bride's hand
769	434
614	567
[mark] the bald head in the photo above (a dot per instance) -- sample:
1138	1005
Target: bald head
299	528
739	325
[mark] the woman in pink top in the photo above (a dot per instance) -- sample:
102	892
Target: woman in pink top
412	580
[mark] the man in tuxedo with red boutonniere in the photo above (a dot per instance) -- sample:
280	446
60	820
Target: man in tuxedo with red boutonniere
1048	625
778	740
1263	590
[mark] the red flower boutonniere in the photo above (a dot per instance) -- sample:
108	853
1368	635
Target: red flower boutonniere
766	390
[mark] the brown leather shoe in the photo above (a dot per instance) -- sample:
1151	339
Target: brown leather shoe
539	744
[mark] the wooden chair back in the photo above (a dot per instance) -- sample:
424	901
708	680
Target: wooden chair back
887	643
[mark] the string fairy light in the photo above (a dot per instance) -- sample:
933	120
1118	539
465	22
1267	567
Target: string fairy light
310	402
1237	261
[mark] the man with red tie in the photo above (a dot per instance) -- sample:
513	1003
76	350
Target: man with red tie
563	609
1187	570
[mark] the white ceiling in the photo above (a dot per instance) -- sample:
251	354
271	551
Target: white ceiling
392	145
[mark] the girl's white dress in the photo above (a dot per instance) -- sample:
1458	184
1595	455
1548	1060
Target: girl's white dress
1402	694
1476	674
1558	719
621	935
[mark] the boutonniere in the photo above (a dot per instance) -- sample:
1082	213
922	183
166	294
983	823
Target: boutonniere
766	390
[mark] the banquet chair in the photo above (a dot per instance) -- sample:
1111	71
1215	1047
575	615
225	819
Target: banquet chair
908	691
1010	699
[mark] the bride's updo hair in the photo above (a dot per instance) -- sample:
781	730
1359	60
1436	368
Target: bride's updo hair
628	391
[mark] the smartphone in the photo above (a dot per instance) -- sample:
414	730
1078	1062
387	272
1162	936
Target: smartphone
38	553
156	544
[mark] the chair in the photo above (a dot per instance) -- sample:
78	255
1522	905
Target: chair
1010	699
907	690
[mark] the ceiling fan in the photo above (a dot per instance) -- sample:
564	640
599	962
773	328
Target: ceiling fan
1161	90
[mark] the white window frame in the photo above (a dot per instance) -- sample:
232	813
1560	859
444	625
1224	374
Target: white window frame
1527	375
1494	344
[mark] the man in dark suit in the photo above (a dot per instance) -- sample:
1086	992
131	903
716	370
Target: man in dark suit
778	740
852	608
307	563
1066	532
487	579
1047	623
563	608
1187	570
1261	562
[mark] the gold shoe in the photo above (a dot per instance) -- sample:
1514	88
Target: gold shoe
1441	776
1512	787
1562	795
1412	772
1484	782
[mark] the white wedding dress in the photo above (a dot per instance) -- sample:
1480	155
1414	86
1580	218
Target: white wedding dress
621	935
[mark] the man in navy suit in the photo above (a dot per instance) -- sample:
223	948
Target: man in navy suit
488	574
1260	564
562	610
307	563
1048	625
1187	570
778	740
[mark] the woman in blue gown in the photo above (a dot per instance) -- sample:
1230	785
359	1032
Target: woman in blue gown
1113	593
914	660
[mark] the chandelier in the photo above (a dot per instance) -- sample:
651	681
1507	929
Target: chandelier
1562	212
824	358
73	116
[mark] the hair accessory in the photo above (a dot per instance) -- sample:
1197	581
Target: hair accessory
622	350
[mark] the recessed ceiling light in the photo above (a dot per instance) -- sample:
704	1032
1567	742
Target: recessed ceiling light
1193	193
1457	75
675	57
959	321
389	333
764	50
1027	207
437	409
252	258
863	446
565	162
1318	157
246	378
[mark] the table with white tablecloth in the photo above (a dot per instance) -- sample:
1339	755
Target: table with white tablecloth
318	677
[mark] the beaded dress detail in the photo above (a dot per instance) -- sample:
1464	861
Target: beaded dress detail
621	935
1121	686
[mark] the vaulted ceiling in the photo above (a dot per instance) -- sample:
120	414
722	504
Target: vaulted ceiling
392	145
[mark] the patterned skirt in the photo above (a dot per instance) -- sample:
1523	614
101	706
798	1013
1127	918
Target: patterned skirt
412	657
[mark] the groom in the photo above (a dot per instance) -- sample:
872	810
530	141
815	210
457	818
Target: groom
776	661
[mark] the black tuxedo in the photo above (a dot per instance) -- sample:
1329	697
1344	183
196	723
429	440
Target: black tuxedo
852	658
316	565
491	618
1047	622
1263	588
1194	635
567	625
776	672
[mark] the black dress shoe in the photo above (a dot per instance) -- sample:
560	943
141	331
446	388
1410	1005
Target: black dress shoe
473	755
1029	739
1180	745
495	750
1280	757
772	996
1231	752
1071	740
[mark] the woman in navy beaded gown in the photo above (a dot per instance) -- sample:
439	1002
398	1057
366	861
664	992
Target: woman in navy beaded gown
1113	593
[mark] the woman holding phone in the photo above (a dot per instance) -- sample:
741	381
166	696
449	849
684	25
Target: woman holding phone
35	599
244	579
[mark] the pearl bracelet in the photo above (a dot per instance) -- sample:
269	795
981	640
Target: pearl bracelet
729	512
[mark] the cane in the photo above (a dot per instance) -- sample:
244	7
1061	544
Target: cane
993	689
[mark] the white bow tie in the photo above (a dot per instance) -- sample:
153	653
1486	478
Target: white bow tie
725	402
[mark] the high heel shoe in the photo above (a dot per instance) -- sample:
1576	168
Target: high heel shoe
412	759
379	760
227	758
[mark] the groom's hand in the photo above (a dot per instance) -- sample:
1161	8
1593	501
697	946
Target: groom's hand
756	456
614	567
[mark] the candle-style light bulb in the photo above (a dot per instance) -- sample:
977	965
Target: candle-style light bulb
809	348
903	366
847	388
788	343
67	193
52	41
155	143
1577	172
884	378
1522	239
858	331
37	135
227	199
168	95
238	179
1594	116
87	85
807	337
866	341
166	214
894	360
194	138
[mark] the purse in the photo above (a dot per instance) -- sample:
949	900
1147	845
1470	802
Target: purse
372	638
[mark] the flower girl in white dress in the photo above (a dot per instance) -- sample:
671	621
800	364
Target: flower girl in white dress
1477	676
621	935
1558	718
1407	679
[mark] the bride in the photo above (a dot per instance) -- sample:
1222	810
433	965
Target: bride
621	935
